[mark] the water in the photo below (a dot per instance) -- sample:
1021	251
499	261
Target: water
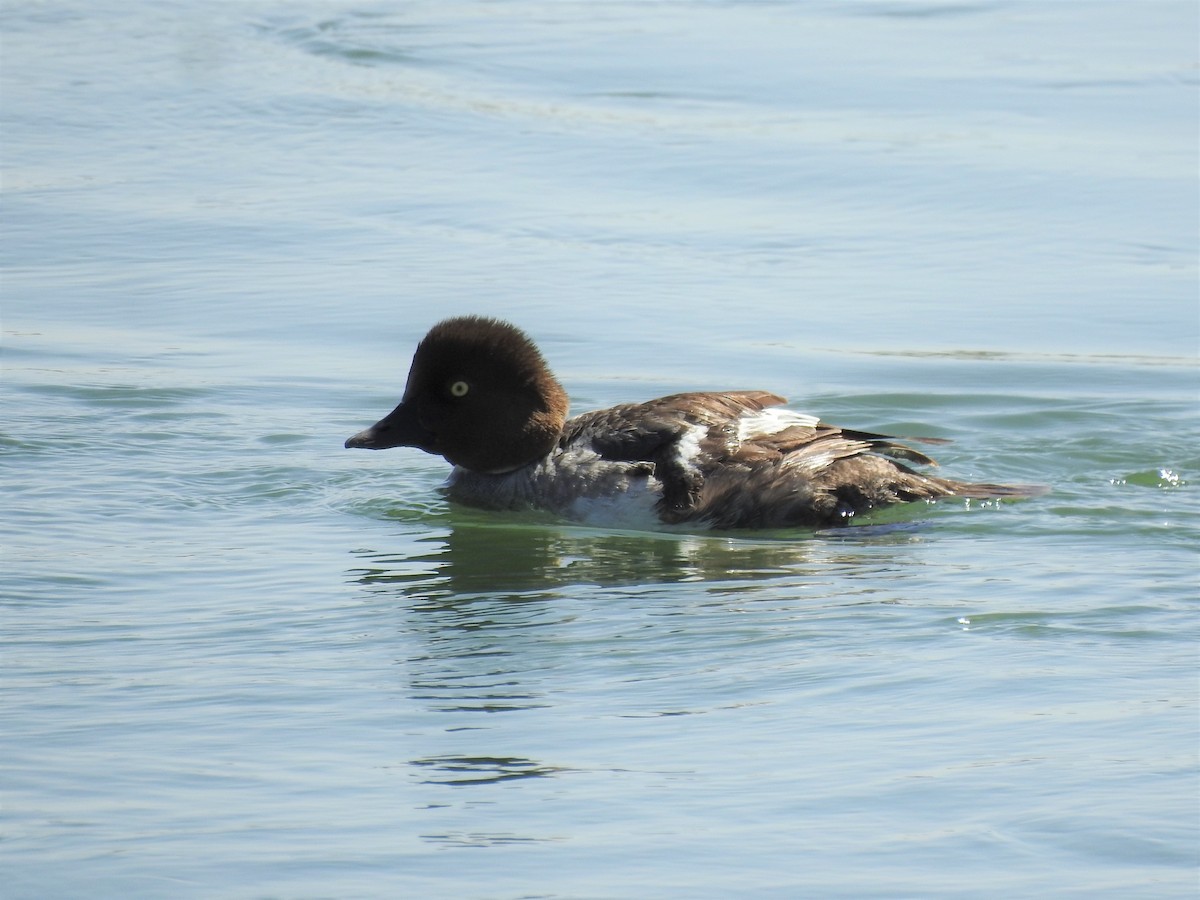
241	661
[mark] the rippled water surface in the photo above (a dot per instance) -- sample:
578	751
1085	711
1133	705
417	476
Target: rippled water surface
240	661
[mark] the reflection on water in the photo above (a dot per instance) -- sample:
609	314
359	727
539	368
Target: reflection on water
514	627
497	609
468	770
473	558
493	606
481	839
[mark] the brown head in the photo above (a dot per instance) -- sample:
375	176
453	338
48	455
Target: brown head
478	394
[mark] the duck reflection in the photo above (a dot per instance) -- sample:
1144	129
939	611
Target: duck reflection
494	606
471	557
496	619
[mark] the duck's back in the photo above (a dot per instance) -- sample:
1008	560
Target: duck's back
734	460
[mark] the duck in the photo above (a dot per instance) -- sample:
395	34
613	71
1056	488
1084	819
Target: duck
481	395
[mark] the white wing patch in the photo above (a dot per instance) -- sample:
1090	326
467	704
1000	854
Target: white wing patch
771	421
809	463
687	448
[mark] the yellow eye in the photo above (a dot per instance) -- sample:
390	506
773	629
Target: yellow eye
459	389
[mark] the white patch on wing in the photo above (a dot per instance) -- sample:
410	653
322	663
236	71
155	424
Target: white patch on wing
771	421
809	463
687	448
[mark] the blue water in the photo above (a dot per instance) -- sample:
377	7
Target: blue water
240	661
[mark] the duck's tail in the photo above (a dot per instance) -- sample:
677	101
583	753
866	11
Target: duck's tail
984	491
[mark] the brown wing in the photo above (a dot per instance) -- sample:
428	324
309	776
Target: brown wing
806	473
658	433
638	432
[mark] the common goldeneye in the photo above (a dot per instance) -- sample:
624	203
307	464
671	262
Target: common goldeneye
480	395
